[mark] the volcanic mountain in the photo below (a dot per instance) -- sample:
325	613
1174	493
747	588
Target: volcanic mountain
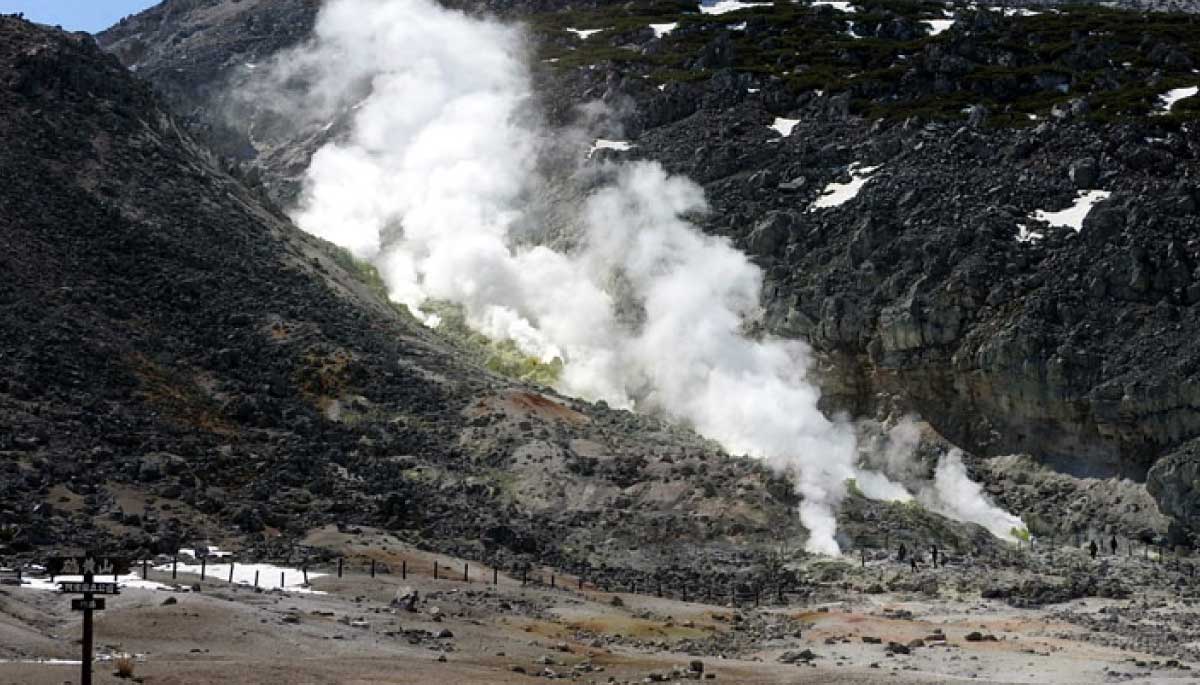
182	363
948	283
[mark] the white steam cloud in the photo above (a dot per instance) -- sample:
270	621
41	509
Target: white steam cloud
432	183
955	495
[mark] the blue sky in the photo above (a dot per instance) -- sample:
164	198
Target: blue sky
76	15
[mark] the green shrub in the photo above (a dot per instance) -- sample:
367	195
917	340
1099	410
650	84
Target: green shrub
502	357
810	49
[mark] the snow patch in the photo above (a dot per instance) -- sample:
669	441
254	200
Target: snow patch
48	662
740	26
619	145
213	553
1024	235
1015	11
661	30
1073	216
130	581
724	6
1168	99
583	33
837	194
937	26
839	5
784	126
244	574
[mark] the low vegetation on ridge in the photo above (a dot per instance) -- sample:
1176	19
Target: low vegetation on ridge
888	60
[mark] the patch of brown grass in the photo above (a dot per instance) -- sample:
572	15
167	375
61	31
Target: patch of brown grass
177	396
325	374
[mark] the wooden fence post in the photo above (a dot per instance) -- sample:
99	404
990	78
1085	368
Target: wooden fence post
340	562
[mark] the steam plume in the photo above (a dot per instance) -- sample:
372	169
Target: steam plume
432	183
954	494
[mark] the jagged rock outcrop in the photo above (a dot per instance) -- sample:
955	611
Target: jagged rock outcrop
1175	483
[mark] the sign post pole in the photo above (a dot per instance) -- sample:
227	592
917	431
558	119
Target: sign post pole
85	677
89	603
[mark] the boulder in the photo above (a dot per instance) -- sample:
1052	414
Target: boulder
406	598
771	234
1084	173
1174	482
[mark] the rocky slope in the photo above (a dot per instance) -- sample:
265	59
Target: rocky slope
182	363
935	290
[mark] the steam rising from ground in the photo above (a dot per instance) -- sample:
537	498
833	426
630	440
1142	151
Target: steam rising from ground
950	491
432	185
954	494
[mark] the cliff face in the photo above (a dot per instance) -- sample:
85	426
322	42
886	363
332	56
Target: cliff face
1078	348
936	289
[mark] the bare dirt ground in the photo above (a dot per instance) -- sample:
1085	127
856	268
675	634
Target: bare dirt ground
478	632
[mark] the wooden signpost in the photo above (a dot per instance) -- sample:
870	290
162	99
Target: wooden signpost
89	568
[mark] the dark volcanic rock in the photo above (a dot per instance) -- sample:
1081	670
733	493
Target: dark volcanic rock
169	337
1079	347
1175	483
